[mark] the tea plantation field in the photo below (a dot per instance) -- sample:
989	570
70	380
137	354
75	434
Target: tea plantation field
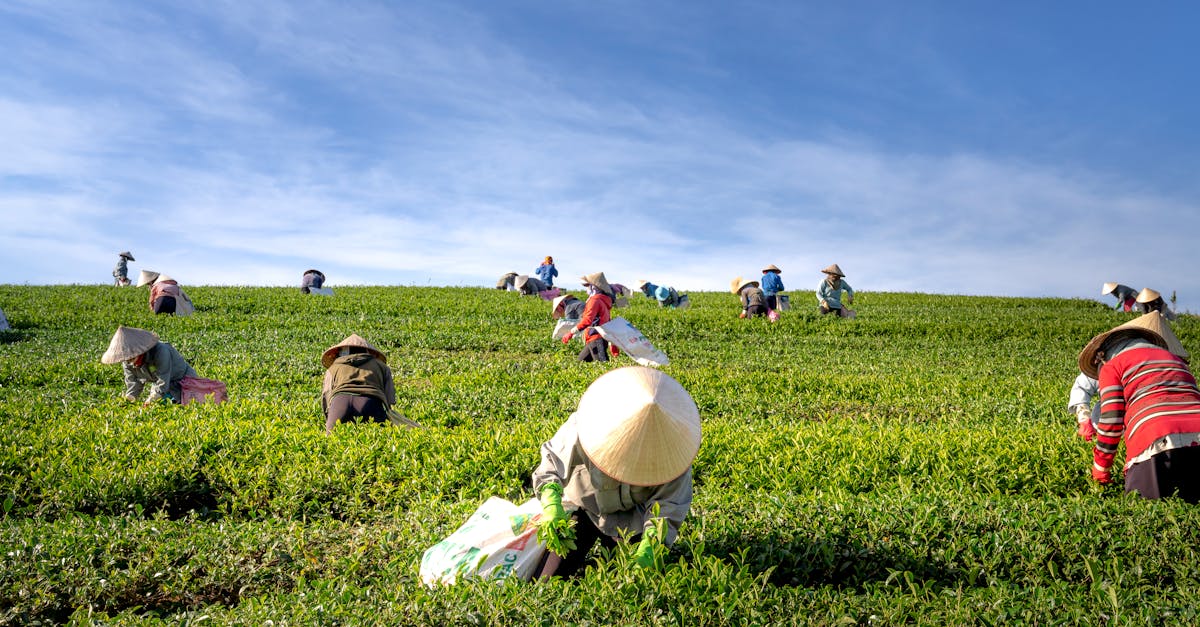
913	466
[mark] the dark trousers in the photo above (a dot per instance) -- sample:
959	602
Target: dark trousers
756	310
772	302
595	350
1170	473
586	535
350	407
164	304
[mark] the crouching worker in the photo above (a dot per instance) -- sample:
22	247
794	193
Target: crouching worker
1149	398
618	468
146	360
358	383
754	302
829	293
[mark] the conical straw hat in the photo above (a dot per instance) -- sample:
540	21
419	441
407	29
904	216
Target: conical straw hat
162	278
1153	326
353	339
1148	295
641	283
771	268
639	426
520	281
1107	289
126	254
557	305
834	269
733	285
127	343
738	283
147	277
598	279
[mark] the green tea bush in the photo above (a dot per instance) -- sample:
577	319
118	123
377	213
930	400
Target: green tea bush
915	465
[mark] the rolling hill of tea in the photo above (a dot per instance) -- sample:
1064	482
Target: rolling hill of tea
915	465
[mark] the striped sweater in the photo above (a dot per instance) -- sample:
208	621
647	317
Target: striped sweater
1149	397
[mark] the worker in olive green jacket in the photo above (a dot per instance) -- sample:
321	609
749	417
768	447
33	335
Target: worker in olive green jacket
358	383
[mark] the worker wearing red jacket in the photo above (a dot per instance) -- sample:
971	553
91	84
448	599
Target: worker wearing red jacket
1149	397
595	313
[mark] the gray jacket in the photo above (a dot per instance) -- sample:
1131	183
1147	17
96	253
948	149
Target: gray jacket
163	369
614	507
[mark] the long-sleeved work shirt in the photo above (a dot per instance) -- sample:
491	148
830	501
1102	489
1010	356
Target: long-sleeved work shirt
163	369
614	507
771	283
832	294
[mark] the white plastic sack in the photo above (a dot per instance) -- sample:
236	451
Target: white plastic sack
562	326
629	339
323	291
183	305
497	542
784	302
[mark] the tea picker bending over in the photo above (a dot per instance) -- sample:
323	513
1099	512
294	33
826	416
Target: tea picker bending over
666	296
754	302
529	286
625	451
146	360
1149	398
358	383
1126	296
312	280
506	281
1151	300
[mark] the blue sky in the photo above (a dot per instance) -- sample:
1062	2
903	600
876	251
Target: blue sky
1017	148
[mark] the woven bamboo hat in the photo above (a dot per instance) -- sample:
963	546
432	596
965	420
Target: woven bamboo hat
598	279
353	340
737	284
772	268
520	281
639	426
1152	326
1148	295
126	254
127	343
557	305
1107	289
162	278
641	283
146	277
834	269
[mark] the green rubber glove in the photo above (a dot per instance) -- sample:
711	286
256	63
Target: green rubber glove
644	557
551	498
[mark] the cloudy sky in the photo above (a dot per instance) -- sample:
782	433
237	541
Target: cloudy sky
1011	148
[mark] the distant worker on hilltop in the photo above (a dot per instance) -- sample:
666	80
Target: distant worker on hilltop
829	292
1151	300
312	282
506	281
121	271
546	272
1126	296
666	296
772	285
1149	398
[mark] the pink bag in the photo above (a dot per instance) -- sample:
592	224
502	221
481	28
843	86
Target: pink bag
198	389
772	315
549	294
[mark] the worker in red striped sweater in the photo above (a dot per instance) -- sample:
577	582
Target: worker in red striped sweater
1148	396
